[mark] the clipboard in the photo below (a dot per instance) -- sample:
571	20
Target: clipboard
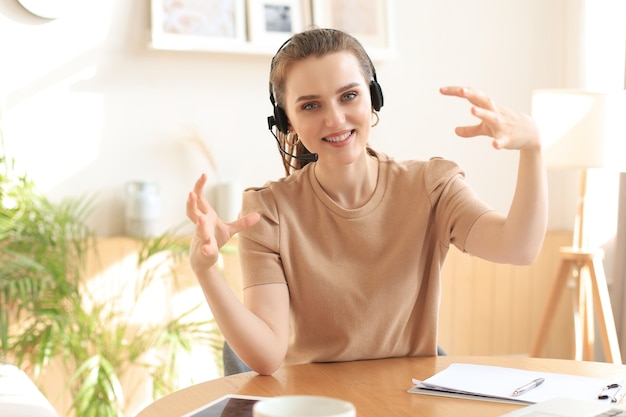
494	383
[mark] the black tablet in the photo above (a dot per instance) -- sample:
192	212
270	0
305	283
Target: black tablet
231	405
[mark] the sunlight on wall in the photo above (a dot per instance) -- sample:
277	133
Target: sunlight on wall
604	66
602	201
62	138
604	44
47	47
50	128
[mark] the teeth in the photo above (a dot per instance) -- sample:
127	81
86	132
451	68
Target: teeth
339	138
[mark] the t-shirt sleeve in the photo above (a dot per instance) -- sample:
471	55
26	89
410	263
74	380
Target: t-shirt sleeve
259	245
457	207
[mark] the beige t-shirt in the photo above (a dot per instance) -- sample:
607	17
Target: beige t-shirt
363	283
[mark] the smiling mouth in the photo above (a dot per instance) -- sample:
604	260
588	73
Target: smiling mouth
339	138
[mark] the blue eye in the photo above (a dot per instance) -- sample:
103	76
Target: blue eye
309	106
349	96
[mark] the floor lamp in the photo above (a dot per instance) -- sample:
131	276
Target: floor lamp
583	130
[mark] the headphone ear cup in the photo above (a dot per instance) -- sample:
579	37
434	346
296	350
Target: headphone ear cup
282	123
376	92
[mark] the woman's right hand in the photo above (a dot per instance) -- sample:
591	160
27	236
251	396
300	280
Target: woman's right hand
211	232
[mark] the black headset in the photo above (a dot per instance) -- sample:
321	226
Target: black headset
280	120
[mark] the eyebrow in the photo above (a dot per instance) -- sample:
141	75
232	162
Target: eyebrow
339	90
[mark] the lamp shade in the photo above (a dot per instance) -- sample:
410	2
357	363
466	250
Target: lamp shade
582	129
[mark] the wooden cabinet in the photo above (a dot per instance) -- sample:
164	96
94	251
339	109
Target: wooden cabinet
495	309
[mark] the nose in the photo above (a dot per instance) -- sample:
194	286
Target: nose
334	115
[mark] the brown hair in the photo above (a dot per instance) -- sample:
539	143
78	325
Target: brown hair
313	42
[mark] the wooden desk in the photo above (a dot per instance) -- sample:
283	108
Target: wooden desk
377	388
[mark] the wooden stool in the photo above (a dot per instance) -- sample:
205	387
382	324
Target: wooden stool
585	268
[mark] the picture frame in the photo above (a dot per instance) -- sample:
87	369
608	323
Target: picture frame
366	20
272	22
198	24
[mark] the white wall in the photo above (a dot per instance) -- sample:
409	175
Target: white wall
88	106
604	69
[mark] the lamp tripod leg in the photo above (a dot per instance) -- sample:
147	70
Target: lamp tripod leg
603	309
578	311
587	338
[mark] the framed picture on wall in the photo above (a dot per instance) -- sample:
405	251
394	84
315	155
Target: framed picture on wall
198	24
367	20
272	22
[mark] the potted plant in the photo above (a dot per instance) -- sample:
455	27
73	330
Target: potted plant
48	314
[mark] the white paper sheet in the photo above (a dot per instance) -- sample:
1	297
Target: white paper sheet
496	383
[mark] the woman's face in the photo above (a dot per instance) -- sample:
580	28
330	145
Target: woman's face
328	103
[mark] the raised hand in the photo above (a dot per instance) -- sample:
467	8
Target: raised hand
211	232
509	129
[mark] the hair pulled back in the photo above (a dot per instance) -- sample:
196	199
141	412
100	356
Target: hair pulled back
315	42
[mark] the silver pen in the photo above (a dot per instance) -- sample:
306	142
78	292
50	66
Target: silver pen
528	387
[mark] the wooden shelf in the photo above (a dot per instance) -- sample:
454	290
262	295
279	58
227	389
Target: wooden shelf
249	48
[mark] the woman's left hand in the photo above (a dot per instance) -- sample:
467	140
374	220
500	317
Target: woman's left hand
509	129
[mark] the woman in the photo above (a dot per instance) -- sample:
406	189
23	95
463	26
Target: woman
341	258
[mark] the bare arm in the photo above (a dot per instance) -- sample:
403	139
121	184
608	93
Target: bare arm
257	330
517	237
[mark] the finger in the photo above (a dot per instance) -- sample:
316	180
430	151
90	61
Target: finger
487	116
191	207
469	131
251	219
198	189
243	223
199	184
451	91
203	231
499	143
478	98
205	237
489	126
202	204
475	97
